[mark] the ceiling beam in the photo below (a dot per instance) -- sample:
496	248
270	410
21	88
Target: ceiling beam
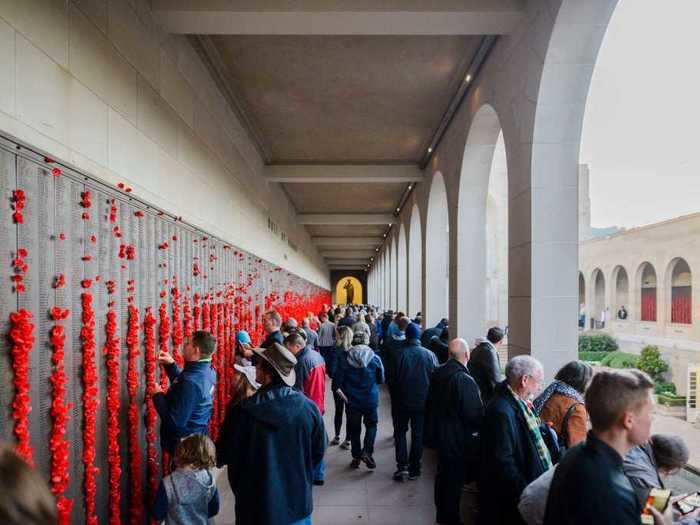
348	267
345	242
333	262
344	173
349	219
342	17
347	254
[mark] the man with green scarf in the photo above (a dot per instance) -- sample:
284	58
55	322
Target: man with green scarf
513	452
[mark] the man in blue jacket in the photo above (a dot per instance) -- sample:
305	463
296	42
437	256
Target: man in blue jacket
410	383
272	442
186	408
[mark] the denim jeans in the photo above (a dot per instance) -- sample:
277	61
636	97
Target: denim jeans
305	521
403	458
355	419
320	471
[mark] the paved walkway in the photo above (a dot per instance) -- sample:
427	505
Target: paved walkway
361	496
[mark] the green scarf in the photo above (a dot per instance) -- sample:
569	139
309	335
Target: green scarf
533	426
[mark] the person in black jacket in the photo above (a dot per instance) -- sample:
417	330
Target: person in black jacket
272	442
453	414
513	452
429	333
410	382
485	365
589	485
439	345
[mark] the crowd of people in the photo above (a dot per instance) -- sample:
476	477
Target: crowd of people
578	451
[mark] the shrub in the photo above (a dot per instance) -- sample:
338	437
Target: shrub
596	343
592	356
651	362
671	400
620	359
664	387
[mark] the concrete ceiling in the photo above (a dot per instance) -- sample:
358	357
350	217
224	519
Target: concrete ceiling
343	98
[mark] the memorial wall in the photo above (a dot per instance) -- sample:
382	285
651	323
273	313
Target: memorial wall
95	282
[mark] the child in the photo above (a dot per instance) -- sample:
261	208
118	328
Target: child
189	495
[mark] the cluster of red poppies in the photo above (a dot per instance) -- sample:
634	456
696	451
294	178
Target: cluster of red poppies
22	337
149	341
178	336
197	311
111	351
163	337
90	404
59	445
132	384
20	268
19	201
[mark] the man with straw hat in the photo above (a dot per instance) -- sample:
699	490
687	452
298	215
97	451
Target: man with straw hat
272	442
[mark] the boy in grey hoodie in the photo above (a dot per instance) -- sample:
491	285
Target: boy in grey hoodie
189	495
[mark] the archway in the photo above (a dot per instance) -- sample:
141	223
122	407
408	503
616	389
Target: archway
599	313
482	228
681	291
621	290
437	249
401	272
391	288
415	263
647	302
348	290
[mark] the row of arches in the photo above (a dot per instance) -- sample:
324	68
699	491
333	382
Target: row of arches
420	245
619	297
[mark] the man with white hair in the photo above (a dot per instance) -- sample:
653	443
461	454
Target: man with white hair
453	413
513	452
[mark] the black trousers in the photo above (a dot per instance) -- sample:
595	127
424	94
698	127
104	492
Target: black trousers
450	478
405	459
338	416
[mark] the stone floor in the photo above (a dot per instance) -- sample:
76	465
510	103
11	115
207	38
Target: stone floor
362	496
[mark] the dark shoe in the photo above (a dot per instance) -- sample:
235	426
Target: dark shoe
414	475
400	475
369	461
355	463
336	441
319	482
345	445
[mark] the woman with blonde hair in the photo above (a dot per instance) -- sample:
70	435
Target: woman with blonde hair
343	342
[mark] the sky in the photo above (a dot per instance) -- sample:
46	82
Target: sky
641	130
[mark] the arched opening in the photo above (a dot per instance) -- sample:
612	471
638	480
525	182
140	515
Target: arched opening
415	263
599	314
348	290
482	228
437	247
647	301
581	301
621	291
401	296
681	292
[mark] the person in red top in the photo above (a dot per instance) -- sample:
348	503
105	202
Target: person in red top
310	379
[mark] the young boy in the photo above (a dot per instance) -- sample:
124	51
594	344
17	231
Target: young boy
186	408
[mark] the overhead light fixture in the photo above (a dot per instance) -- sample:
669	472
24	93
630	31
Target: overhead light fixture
409	186
385	235
398	210
376	249
430	150
469	77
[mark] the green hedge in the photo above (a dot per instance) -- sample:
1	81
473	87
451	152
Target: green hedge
592	356
671	400
620	359
664	387
596	343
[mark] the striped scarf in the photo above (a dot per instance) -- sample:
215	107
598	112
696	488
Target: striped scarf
533	426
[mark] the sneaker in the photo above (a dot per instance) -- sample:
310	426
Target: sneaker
369	461
400	475
345	445
336	441
355	463
319	482
414	475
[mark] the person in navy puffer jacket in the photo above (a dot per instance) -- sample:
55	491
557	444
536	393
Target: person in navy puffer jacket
358	375
186	408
